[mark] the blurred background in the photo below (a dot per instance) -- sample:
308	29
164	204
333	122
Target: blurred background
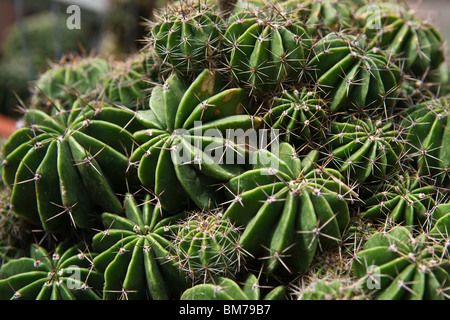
34	33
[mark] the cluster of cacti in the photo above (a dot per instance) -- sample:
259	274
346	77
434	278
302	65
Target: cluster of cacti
280	139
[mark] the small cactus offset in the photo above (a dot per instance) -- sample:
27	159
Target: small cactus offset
206	246
251	150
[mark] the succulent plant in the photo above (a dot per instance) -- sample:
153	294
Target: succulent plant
66	273
299	114
64	168
187	38
134	253
365	150
205	246
321	16
72	78
331	289
288	207
228	289
416	44
265	51
129	82
428	138
184	151
404	198
352	75
396	266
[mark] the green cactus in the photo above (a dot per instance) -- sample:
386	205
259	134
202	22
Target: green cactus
331	289
364	150
187	38
321	16
72	78
227	289
134	253
65	273
62	169
264	52
404	198
395	265
129	82
428	138
353	76
299	114
288	207
416	44
206	246
182	152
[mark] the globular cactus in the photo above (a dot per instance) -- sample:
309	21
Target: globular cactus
206	246
265	51
72	78
352	75
404	199
365	150
299	114
414	43
184	151
395	265
289	208
428	138
134	253
187	38
321	16
228	289
65	273
63	169
129	82
330	288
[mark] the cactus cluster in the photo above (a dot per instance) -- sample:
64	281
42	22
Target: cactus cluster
292	140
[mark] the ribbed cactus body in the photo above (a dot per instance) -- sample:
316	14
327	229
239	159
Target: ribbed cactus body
184	152
63	274
365	150
189	39
321	16
416	45
264	52
65	82
63	169
353	76
299	115
428	138
206	246
403	199
228	289
289	208
134	253
398	266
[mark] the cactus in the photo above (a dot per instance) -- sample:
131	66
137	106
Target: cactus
416	44
299	114
331	289
72	78
187	38
365	150
65	273
180	153
129	82
288	207
396	265
134	253
63	168
321	16
227	289
352	75
205	246
403	199
428	138
264	52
